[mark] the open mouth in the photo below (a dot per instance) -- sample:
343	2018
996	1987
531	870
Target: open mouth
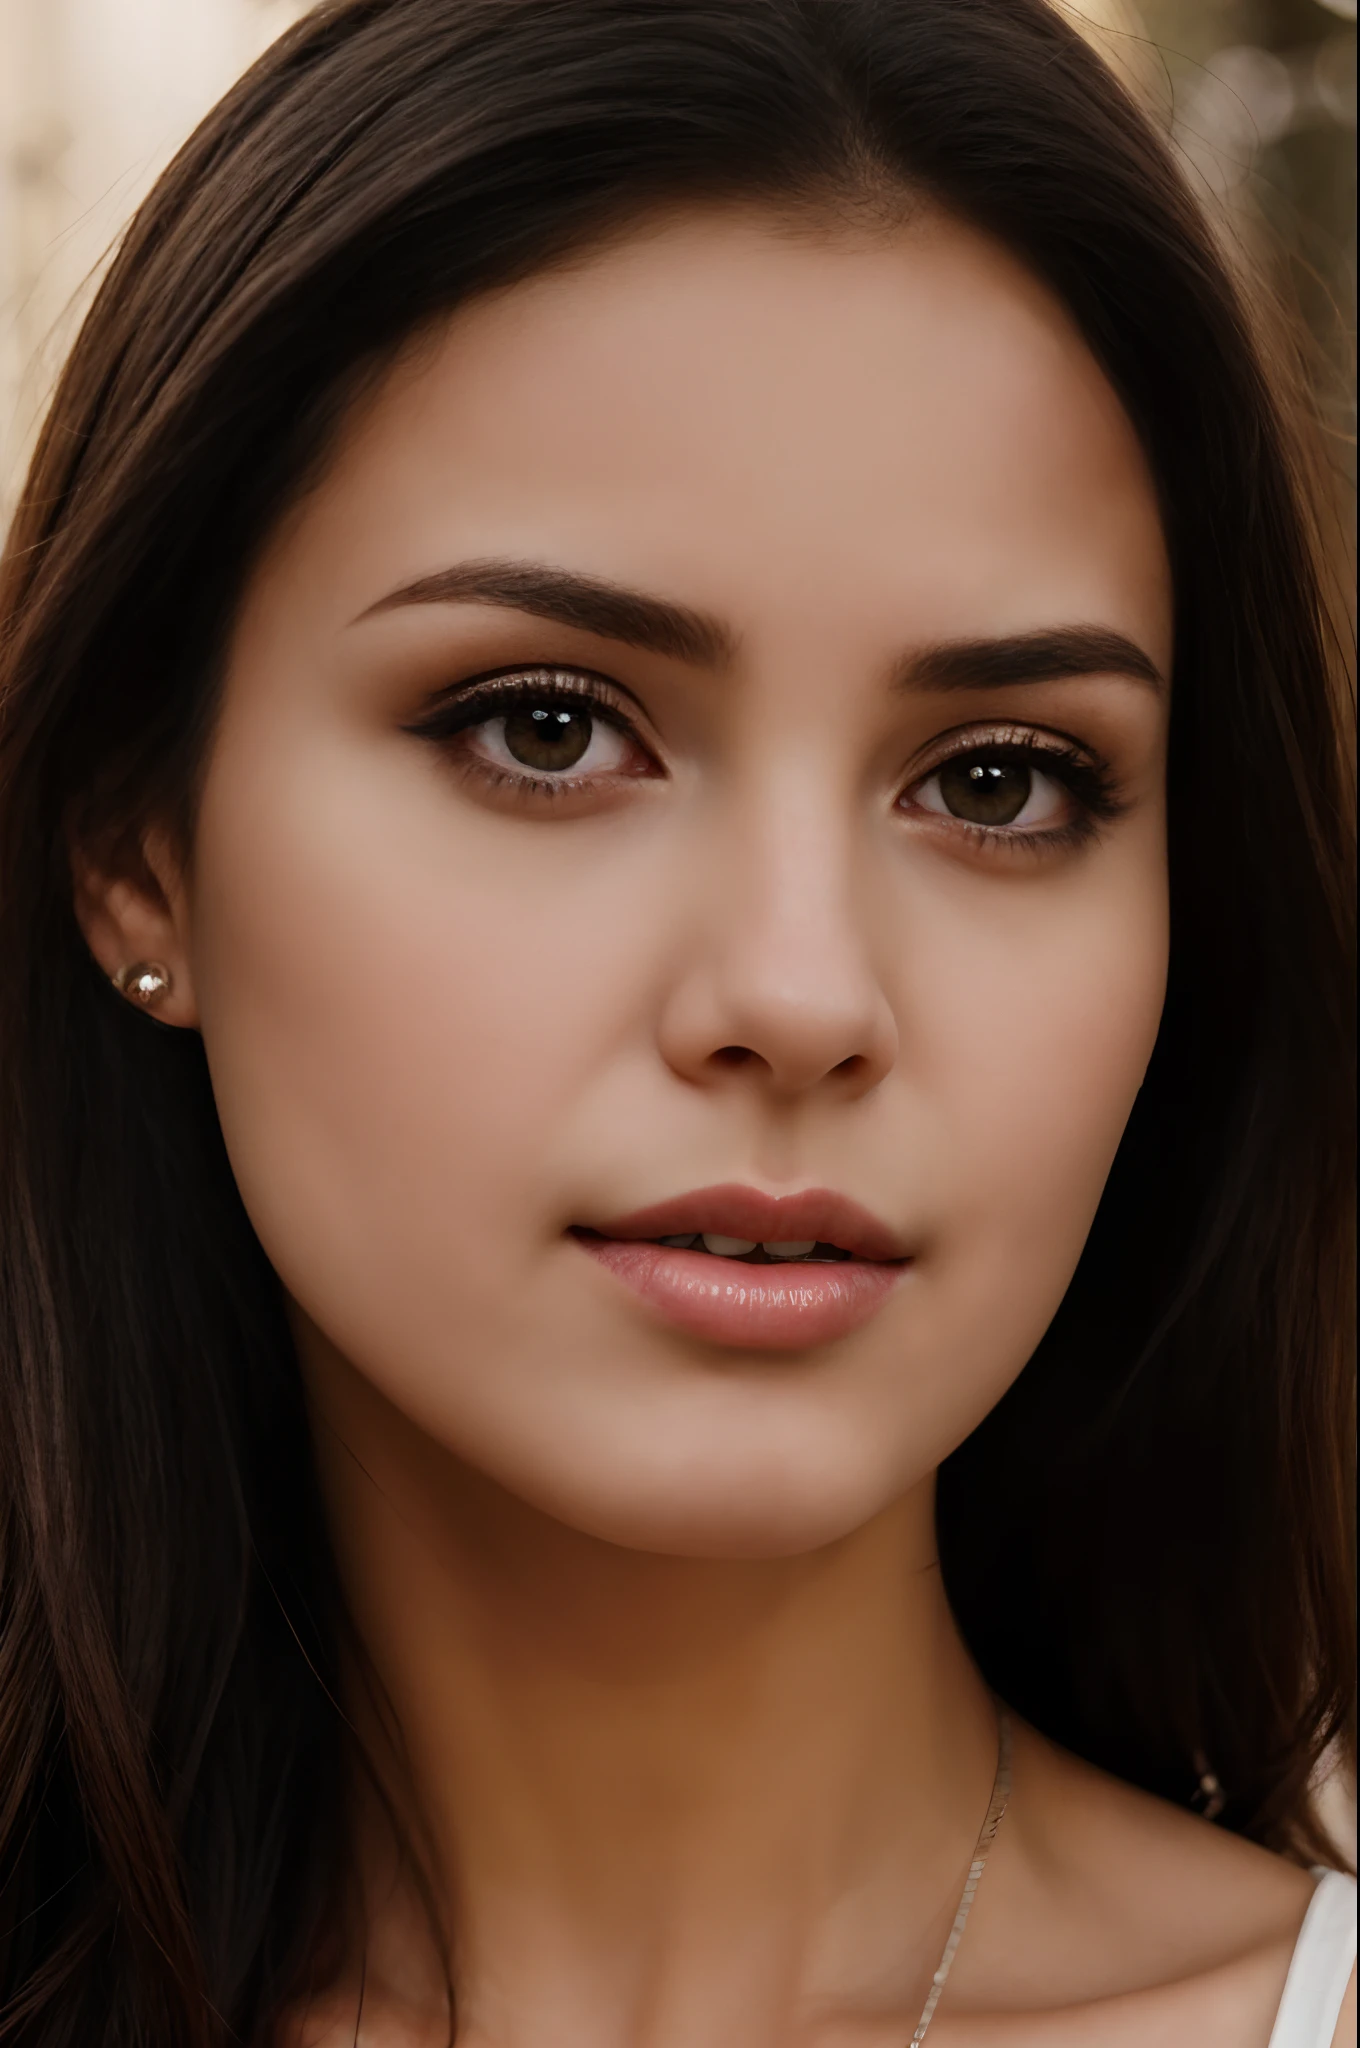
745	1251
813	1226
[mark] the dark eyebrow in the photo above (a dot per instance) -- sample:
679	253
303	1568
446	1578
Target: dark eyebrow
1055	654
570	599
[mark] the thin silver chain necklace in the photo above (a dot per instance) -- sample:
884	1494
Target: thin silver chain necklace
1001	1792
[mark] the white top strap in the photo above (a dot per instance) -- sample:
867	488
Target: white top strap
1320	1971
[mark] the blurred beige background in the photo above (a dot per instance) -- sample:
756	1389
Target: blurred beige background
95	97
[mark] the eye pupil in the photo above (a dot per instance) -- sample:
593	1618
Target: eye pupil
548	736
986	792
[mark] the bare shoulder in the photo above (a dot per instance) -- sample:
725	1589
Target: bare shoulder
1155	1862
1146	1920
1344	2037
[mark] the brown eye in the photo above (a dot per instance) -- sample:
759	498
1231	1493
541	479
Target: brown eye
548	736
985	792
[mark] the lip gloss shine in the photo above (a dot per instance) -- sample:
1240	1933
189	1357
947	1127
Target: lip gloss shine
772	1308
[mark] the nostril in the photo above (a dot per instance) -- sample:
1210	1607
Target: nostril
851	1065
733	1055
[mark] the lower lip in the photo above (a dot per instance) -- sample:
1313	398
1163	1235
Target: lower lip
769	1308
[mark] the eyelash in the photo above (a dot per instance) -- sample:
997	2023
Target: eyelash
1086	779
497	696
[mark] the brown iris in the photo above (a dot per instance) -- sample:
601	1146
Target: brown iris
985	792
548	736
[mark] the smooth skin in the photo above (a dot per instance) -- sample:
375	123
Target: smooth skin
688	1729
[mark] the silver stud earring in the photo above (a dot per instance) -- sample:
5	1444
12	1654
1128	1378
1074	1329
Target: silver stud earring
144	982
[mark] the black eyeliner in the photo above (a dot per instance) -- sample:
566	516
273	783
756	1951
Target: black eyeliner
503	691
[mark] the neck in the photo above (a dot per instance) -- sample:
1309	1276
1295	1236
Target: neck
611	1755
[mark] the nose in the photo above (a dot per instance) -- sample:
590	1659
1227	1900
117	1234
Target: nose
779	978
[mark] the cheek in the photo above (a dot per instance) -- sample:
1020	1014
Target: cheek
398	1015
1043	1014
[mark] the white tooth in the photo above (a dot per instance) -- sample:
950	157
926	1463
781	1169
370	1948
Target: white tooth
680	1242
791	1251
728	1247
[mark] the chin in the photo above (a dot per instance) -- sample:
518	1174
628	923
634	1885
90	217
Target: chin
727	1507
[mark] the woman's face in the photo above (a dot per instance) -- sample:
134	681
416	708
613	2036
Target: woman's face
695	765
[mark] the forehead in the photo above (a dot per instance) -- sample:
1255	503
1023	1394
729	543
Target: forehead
831	427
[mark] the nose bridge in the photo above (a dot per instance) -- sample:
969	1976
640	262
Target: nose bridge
786	970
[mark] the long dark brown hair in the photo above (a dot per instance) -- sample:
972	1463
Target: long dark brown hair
1147	1543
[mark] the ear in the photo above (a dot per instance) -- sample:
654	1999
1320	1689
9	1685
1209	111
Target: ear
135	912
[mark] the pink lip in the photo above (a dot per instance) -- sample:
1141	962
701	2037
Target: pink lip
784	1308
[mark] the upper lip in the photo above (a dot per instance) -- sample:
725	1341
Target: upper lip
734	1211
